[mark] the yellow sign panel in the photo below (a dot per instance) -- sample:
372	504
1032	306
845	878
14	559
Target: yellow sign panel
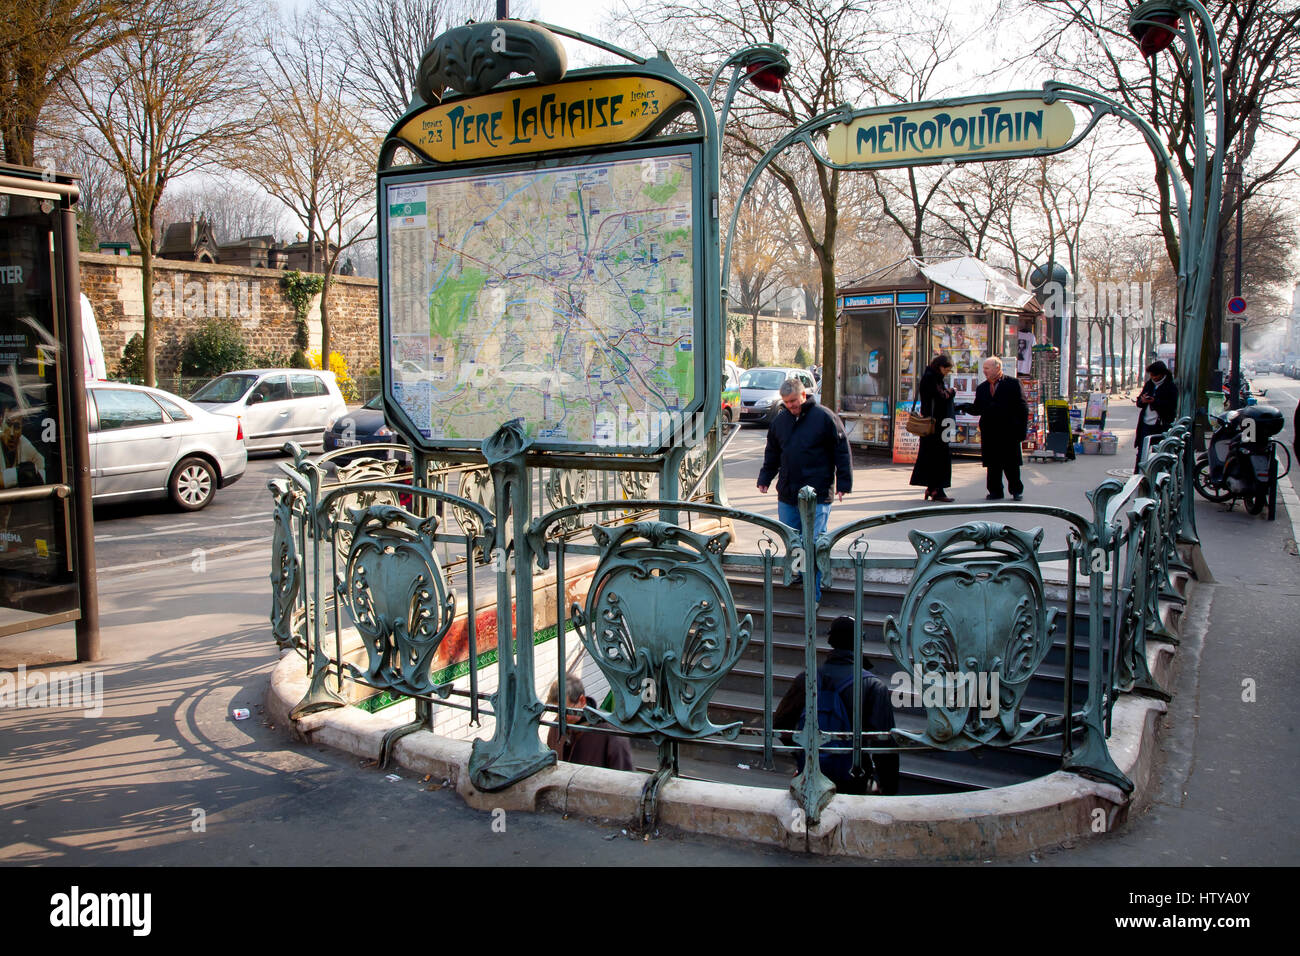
961	131
529	120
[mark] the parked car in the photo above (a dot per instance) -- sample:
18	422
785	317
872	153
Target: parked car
362	426
760	391
147	443
731	393
276	405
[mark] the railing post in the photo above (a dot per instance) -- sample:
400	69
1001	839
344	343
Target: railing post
811	789
515	751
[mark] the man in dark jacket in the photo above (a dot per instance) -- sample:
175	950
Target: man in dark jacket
1004	417
585	747
1158	402
877	713
806	445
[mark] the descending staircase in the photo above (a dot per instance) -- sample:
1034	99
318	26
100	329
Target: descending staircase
740	695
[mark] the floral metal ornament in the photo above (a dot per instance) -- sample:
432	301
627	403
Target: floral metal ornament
972	631
476	57
397	594
360	470
661	624
288	608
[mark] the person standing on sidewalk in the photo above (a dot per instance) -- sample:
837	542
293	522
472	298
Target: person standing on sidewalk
1159	403
1004	416
806	445
933	467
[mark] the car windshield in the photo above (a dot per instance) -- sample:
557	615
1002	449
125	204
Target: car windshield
763	378
376	403
227	388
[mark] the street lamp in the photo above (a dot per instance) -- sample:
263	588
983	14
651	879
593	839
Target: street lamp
764	64
1153	25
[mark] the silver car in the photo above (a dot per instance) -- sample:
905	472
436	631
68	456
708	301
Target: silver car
147	443
760	391
276	405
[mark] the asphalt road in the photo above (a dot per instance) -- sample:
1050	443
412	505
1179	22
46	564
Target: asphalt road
155	536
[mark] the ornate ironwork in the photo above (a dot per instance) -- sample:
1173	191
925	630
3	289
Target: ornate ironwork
476	57
288	607
635	484
476	486
661	624
356	472
568	486
974	623
398	596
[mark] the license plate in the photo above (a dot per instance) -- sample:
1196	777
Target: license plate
349	442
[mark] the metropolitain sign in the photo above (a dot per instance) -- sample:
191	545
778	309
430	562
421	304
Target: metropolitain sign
532	119
961	131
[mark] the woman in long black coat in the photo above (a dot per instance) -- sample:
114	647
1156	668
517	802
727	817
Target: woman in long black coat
933	468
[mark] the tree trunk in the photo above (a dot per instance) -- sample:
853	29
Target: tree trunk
1110	327
830	370
325	319
150	332
1123	352
753	335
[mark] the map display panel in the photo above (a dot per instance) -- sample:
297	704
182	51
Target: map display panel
563	296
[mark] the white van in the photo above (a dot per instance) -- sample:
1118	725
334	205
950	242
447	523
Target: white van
96	369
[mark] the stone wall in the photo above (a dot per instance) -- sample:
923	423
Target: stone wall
778	340
187	294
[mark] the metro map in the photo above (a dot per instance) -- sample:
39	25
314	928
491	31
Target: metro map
563	296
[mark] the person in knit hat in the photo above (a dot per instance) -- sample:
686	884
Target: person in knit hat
835	677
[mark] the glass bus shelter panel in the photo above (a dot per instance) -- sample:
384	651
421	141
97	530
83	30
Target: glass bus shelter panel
37	574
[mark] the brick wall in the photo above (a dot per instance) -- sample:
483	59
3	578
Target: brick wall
778	340
187	294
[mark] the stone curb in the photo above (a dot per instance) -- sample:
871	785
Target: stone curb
1009	821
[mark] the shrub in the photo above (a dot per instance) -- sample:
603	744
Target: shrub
339	366
746	359
801	358
132	364
299	359
216	348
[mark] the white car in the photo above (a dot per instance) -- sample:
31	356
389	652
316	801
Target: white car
147	443
276	405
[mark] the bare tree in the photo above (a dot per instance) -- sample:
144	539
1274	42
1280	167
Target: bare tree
233	210
163	103
382	42
1259	42
316	154
829	43
42	43
757	250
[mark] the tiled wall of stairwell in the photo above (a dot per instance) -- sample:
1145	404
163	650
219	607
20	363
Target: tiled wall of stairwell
188	293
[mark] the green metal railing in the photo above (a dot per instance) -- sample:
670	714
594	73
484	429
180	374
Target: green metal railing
655	611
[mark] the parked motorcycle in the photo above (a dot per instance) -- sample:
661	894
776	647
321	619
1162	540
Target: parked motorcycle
1242	460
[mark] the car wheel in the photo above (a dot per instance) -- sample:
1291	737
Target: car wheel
193	484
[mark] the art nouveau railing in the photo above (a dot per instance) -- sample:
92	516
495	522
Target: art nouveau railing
647	593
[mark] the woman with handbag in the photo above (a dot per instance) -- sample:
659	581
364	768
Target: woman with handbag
933	467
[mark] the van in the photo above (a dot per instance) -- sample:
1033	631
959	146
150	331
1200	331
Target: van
93	364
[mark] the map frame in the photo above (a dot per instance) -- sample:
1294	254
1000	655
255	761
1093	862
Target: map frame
676	424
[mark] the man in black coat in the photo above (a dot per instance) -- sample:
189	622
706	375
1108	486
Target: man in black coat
1158	402
806	445
877	714
1004	418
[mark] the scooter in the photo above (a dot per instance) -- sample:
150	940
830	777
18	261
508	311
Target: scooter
1242	460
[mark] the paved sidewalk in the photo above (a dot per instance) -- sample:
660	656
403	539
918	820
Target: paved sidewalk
165	776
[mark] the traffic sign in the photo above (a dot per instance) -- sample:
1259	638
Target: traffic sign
1237	305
